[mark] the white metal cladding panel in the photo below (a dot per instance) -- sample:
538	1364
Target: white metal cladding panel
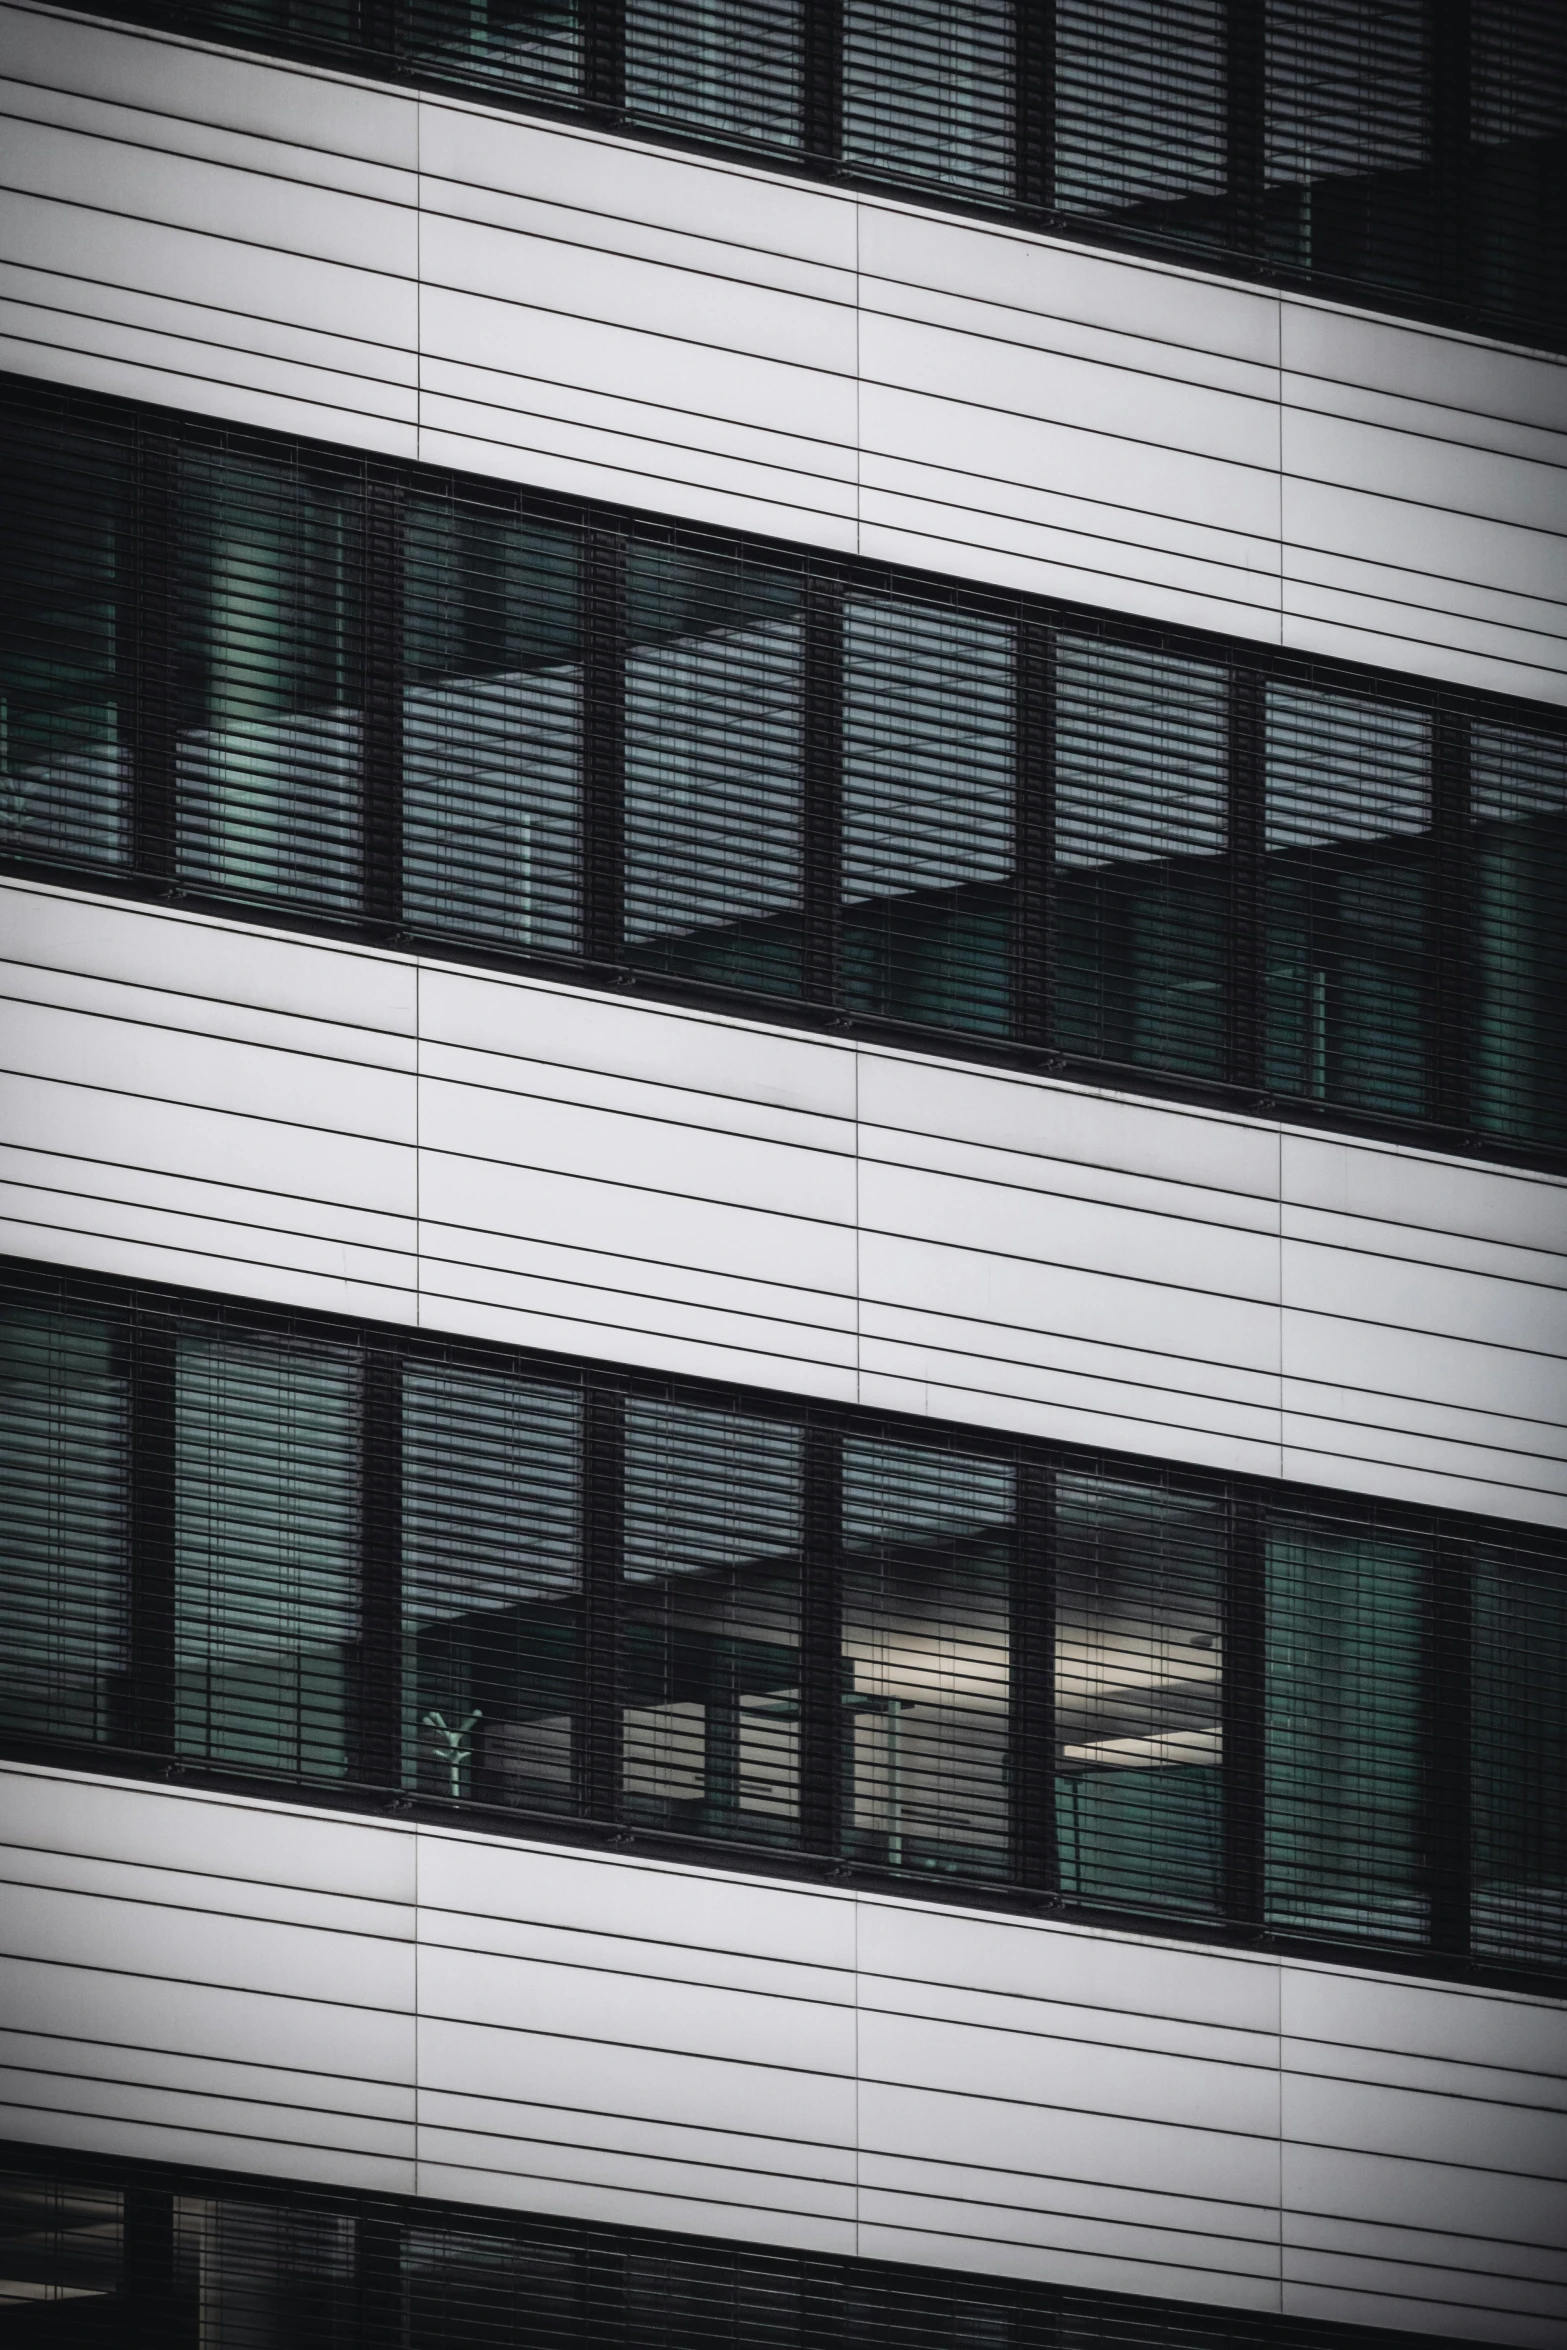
344	1128
229	1981
279	245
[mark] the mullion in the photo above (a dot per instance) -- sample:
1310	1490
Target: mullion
1245	97
1033	106
822	95
604	55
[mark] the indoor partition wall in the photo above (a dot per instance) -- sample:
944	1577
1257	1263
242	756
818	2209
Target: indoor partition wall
1413	153
263	675
287	1551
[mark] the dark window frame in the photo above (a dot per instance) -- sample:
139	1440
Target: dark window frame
605	535
597	1813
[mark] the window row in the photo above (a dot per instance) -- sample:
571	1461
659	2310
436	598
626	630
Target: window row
1411	151
130	2253
281	1548
247	669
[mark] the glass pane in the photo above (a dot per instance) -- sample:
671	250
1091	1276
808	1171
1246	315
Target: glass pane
1347	142
1517	888
266	1552
270	626
1346	1658
64	1532
1140	113
1519	1758
523	45
61	2242
492	727
1142	766
1347	982
262	2276
713	781
1139	1681
929	735
711	1669
928	1539
66	526
492	1580
480	2289
727	69
928	92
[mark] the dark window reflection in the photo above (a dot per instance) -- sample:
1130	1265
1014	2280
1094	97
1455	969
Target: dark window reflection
713	768
1347	1649
66	641
65	1523
1141	787
1516	892
1140	114
271	729
929	783
492	727
928	91
726	69
492	1579
1139	1675
524	45
710	1738
266	1552
1348	140
1348	981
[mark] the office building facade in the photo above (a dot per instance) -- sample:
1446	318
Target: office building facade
783	823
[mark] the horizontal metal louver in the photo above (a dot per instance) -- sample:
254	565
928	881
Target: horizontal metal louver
301	1553
1405	151
444	712
136	2251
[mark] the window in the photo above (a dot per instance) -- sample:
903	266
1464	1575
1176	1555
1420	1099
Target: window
294	1550
444	712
